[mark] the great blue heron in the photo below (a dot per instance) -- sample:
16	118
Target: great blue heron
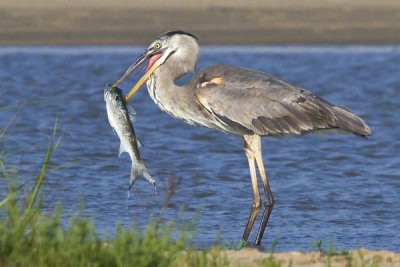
238	101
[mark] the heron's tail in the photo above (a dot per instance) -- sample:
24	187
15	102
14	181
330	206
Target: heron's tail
139	169
347	121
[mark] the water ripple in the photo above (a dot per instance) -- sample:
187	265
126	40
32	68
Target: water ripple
326	187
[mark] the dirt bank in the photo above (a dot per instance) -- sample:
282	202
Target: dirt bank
362	257
258	22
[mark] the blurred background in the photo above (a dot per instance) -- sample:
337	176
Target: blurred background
26	22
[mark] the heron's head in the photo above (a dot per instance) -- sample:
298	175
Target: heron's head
175	49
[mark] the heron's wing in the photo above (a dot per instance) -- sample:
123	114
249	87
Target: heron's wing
266	105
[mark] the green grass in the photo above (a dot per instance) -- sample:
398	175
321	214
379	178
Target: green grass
353	259
34	239
330	251
31	237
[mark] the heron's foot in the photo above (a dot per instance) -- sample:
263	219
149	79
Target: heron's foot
243	244
249	245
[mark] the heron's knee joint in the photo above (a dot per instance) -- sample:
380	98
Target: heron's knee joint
256	203
269	202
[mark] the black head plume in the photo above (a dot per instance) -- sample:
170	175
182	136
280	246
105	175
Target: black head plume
171	33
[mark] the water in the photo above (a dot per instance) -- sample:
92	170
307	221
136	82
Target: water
338	187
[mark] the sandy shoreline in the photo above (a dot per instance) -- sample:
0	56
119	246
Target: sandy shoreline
337	24
361	257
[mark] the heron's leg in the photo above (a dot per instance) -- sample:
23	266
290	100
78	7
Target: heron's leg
269	198
255	207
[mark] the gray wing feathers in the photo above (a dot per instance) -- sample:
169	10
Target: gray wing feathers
350	122
256	102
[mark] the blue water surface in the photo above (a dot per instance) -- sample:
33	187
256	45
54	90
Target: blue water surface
337	188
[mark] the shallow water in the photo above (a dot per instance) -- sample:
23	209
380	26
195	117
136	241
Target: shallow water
337	187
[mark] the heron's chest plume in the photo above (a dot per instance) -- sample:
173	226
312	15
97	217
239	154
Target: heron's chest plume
163	96
152	89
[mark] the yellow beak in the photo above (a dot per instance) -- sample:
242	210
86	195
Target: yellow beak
142	80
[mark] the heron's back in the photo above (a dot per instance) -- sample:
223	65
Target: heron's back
248	101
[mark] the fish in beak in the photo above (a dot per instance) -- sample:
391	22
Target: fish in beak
156	56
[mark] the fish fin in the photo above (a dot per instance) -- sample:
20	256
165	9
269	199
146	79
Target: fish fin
121	150
133	177
132	180
140	144
131	111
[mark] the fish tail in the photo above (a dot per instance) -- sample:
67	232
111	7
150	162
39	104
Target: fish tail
139	169
133	177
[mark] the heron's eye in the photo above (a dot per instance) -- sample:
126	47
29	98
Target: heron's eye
157	46
116	97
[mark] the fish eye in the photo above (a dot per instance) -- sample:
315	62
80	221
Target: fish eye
157	46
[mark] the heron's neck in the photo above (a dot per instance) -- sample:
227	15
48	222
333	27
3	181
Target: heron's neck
161	84
178	101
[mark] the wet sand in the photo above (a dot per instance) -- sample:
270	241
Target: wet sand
132	22
362	257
